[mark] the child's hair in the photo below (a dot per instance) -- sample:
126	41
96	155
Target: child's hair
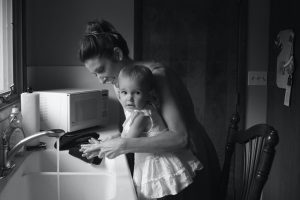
99	39
139	73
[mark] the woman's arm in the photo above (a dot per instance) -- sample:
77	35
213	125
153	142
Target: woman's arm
140	124
174	139
105	137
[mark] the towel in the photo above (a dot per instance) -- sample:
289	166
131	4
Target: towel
73	142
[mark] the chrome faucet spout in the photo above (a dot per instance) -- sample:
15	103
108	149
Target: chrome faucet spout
19	145
55	132
7	155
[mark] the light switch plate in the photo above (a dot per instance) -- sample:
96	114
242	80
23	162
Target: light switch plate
257	78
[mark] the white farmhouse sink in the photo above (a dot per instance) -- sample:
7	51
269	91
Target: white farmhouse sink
37	179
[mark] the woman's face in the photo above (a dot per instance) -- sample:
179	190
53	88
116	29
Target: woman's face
104	69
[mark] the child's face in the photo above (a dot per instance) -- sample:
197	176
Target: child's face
132	95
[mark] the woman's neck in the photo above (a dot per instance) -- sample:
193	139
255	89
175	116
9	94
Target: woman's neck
126	61
120	64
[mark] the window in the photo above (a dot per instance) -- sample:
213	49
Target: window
6	46
12	51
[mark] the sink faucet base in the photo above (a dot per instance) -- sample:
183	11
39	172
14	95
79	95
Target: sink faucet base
7	170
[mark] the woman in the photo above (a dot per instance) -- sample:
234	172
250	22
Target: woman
104	53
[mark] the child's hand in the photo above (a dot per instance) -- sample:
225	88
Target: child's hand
85	147
90	155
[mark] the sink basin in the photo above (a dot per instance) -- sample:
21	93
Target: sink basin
44	186
37	178
46	161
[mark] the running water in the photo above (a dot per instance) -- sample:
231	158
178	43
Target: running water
57	169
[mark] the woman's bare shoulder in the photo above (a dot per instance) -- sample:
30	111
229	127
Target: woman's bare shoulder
155	67
163	75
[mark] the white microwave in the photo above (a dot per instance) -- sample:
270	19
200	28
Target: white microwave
73	109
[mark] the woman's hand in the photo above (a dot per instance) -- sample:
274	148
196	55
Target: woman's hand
105	137
84	147
110	148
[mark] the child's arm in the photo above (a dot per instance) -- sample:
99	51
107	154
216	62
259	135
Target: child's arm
140	124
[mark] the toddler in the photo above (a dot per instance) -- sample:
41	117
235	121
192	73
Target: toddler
155	174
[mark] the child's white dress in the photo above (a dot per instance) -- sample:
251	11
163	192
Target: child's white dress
160	174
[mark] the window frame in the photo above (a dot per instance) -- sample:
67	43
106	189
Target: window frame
19	56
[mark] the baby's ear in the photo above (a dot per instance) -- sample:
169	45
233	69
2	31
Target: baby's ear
117	83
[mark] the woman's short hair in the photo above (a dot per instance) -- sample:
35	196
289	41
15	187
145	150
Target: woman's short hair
139	73
100	39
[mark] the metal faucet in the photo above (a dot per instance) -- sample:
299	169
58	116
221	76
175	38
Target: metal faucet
7	154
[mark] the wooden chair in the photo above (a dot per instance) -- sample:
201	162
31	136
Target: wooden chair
258	144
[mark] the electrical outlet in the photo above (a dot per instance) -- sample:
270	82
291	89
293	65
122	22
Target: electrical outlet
257	78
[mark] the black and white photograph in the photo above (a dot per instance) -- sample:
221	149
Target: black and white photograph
149	100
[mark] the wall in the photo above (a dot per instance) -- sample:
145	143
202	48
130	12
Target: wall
257	59
284	181
54	29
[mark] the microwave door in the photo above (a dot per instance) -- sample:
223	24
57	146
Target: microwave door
85	110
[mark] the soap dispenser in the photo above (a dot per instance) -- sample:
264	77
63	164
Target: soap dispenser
15	124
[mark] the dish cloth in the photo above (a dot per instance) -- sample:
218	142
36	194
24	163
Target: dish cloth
73	142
